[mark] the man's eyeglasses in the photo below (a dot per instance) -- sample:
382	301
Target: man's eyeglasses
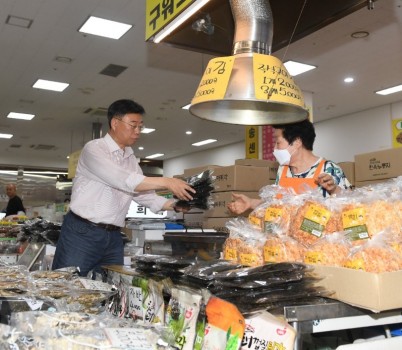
139	127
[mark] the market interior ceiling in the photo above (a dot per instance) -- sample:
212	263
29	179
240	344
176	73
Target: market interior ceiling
40	39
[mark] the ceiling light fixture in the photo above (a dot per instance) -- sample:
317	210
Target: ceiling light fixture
186	106
104	27
140	148
296	68
50	85
156	155
23	116
188	132
205	142
182	17
349	80
6	136
147	130
390	90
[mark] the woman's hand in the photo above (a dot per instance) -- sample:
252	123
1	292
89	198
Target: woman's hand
328	183
239	204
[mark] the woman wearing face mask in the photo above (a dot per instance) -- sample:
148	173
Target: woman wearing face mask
299	168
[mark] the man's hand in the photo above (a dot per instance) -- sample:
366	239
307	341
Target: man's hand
180	189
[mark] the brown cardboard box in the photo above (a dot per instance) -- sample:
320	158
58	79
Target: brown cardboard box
221	200
369	183
349	170
194	171
218	224
271	165
373	291
378	165
241	178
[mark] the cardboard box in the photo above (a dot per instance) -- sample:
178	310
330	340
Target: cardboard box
194	171
241	178
221	200
370	183
372	291
271	165
218	224
349	170
378	165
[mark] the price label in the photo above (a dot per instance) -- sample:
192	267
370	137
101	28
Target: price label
215	80
95	285
272	81
135	302
34	304
128	338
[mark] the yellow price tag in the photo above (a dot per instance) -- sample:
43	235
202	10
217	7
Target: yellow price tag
215	80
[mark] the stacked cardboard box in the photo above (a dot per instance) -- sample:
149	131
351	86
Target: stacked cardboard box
375	167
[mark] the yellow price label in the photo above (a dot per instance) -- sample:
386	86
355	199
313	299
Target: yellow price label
353	217
273	214
272	81
215	80
230	254
248	259
318	214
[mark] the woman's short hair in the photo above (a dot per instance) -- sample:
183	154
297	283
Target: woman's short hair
303	130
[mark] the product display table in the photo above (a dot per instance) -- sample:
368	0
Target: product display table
326	315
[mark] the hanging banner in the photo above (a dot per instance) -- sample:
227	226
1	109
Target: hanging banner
397	133
268	142
252	142
159	13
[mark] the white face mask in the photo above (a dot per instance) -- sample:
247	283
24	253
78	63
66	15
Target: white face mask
282	156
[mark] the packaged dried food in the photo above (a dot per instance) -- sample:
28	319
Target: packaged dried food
374	256
280	248
331	250
203	184
313	220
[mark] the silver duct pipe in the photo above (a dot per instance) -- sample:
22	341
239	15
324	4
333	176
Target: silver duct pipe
253	26
251	97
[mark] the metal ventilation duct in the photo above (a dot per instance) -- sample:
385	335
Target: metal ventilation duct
257	89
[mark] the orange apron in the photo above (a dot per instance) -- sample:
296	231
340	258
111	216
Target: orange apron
300	185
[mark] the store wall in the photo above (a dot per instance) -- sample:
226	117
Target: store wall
338	139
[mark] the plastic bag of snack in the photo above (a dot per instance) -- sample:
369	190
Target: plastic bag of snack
314	219
374	256
281	248
331	250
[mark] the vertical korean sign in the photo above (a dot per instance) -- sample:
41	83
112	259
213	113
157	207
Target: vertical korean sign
252	142
161	12
397	133
268	142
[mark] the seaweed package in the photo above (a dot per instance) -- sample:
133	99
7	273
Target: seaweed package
376	256
203	184
225	325
331	250
265	331
181	316
145	301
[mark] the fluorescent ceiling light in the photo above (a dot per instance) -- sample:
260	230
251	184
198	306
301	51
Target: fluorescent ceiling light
296	68
349	80
24	116
182	17
6	136
186	106
104	27
147	130
140	148
390	90
50	85
156	155
205	142
189	132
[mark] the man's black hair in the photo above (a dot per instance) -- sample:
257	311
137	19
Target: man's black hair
120	108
